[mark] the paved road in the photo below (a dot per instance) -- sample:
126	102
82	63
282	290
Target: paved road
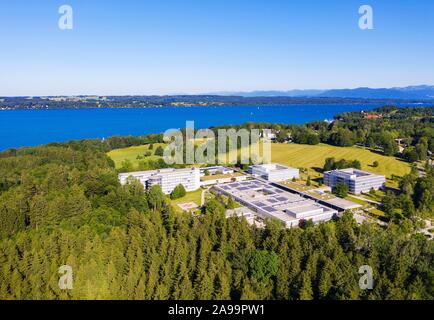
203	197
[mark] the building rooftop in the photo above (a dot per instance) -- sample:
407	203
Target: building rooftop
323	198
342	203
158	171
353	172
278	203
271	166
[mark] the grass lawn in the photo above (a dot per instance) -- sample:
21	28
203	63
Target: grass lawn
356	200
222	176
297	186
131	153
372	209
313	157
377	212
378	196
194	196
323	196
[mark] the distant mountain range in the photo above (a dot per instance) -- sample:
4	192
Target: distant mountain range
290	93
406	93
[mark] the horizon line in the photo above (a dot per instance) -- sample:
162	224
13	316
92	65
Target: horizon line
214	93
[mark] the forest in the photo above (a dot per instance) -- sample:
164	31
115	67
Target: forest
62	204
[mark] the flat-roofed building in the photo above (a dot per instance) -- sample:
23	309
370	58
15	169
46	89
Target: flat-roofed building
274	172
168	179
358	181
216	170
267	201
319	195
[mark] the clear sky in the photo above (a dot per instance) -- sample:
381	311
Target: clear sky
195	46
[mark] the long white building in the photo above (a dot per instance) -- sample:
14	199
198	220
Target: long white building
168	179
358	181
274	172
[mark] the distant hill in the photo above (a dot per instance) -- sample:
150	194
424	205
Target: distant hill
415	92
275	93
407	93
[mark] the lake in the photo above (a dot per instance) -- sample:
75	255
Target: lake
20	128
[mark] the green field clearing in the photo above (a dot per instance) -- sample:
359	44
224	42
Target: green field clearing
311	157
372	209
378	196
376	212
195	196
131	153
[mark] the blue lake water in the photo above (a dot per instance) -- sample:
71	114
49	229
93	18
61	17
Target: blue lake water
20	128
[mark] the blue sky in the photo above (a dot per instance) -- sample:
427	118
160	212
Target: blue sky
196	46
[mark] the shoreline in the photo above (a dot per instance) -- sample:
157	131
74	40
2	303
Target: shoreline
431	104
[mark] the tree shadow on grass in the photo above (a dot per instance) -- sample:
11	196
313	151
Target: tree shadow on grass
317	169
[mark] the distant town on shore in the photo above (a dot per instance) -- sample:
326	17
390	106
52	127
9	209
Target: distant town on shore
394	96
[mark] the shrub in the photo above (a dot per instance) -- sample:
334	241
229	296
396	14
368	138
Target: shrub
341	190
159	151
178	192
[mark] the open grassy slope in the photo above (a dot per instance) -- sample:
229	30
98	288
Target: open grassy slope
194	196
131	154
311	157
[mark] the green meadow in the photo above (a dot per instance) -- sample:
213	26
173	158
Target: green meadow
131	153
313	158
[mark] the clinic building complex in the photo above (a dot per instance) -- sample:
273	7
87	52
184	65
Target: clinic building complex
263	193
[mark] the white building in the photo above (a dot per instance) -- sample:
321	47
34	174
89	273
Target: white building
269	134
168	179
274	172
358	181
267	201
209	181
216	170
